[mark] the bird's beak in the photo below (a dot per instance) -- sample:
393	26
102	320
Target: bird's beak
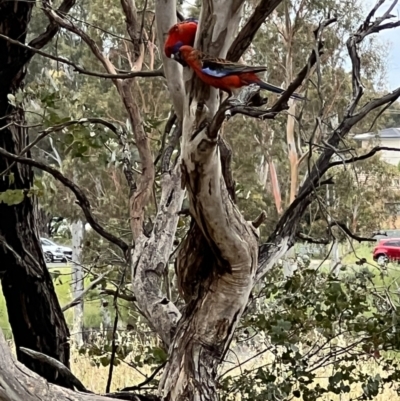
172	55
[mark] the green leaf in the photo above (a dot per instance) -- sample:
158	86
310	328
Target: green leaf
12	197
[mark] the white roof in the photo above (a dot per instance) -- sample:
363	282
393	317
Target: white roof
385	133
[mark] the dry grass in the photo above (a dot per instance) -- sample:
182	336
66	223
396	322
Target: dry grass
95	378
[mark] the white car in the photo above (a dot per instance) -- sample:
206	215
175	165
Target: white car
53	252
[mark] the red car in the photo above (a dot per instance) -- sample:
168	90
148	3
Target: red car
387	250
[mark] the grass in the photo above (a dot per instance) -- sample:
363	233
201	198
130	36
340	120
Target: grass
95	378
62	286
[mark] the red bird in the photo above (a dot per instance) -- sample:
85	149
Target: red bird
223	74
182	33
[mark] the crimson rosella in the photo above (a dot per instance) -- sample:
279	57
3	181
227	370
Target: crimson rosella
223	74
182	33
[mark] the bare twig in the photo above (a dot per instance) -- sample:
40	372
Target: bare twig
79	298
148	379
82	199
77	68
312	240
350	234
365	156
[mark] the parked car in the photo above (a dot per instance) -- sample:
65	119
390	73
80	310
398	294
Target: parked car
387	250
54	252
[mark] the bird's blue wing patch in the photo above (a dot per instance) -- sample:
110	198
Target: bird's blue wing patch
214	73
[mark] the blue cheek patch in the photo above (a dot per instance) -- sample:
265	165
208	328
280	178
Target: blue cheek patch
214	73
176	47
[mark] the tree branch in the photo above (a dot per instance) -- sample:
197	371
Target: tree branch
79	298
77	68
246	35
83	201
141	192
52	29
350	234
148	379
59	127
126	297
311	240
61	369
365	156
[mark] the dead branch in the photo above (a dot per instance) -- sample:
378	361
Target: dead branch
344	228
82	199
311	240
365	156
246	35
147	381
81	70
61	369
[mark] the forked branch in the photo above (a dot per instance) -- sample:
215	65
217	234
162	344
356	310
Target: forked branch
82	199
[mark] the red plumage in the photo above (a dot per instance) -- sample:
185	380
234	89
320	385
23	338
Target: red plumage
182	33
223	74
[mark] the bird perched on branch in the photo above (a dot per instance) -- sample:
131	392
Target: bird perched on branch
223	74
182	33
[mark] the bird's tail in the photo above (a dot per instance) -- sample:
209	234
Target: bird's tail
276	89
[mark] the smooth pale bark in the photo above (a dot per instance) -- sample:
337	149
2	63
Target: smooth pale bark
77	284
166	18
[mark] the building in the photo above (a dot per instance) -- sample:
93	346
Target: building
389	137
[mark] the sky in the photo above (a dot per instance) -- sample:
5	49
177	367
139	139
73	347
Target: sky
392	36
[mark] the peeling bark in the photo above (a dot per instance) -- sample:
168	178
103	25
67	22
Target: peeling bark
151	256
